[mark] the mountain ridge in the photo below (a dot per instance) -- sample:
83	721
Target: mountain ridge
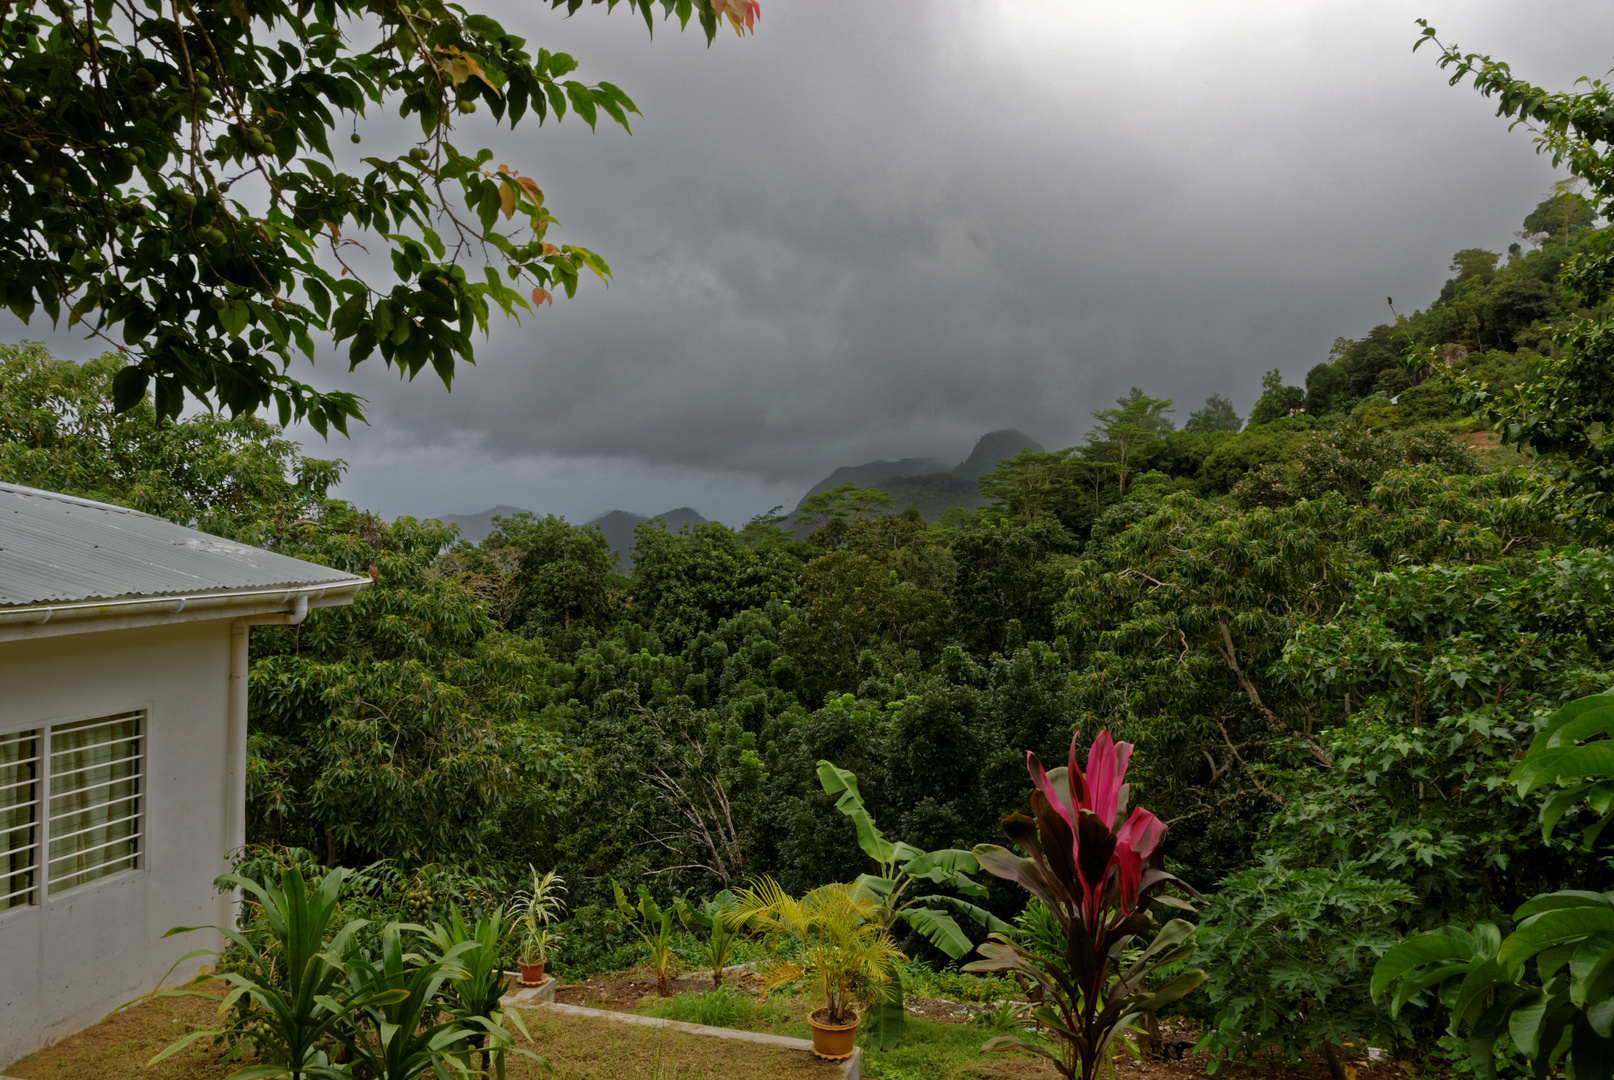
927	484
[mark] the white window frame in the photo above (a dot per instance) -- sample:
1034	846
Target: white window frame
39	891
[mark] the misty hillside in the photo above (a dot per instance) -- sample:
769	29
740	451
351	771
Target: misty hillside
618	528
928	483
476	527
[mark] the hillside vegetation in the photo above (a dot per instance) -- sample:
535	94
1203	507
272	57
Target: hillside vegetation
1329	629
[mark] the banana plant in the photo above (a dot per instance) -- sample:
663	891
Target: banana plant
713	934
654	925
902	868
296	984
1563	1019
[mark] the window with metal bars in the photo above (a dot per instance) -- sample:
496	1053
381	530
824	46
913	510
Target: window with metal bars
19	818
71	805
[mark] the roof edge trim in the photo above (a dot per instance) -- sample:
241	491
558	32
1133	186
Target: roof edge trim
40	614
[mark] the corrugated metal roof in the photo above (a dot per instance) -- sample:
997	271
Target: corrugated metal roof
58	549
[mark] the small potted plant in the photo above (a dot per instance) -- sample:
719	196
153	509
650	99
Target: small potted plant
845	955
535	909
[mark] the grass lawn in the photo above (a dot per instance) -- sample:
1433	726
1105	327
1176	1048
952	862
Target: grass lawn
579	1049
930	1049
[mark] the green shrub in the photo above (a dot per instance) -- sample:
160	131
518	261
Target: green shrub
1290	954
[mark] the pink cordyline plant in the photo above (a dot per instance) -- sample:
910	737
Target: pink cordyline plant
1116	849
1097	868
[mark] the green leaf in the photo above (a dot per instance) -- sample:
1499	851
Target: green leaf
1552	928
345	323
887	1018
1599	707
234	317
940	929
1435	947
843	783
1591	970
128	387
1525	1020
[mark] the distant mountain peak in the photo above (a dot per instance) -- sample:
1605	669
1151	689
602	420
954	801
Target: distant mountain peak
992	448
928	483
618	526
476	527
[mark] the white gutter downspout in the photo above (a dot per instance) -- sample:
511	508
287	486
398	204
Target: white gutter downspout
236	722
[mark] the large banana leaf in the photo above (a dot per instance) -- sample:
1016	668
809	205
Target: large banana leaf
886	1019
873	842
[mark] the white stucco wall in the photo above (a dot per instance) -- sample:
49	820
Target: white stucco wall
69	960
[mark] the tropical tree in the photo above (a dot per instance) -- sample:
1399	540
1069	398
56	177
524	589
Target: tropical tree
1031	484
1217	414
401	726
1136	419
1559	217
562	574
1277	400
1565	410
168	184
686	582
1007	584
851	603
842	504
59	431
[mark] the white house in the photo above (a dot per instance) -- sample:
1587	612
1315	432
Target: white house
123	724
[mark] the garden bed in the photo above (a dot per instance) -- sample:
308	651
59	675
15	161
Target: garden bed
578	1048
942	1043
943	1036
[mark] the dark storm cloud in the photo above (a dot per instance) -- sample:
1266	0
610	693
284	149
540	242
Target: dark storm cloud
881	229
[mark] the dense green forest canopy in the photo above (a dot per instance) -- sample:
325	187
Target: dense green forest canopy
1329	631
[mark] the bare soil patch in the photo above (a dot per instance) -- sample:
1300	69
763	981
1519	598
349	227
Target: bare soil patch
633	991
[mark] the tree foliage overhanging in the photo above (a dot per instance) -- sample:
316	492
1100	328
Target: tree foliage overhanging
168	181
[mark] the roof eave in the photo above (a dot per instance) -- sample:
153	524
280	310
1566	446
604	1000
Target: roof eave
93	616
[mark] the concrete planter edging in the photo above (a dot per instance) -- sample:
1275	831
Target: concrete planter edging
851	1068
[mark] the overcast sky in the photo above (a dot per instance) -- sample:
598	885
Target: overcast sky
877	230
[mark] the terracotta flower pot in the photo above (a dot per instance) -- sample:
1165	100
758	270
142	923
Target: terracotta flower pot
833	1042
531	974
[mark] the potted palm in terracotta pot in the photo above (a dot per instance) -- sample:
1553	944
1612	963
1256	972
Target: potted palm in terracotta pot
844	954
536	909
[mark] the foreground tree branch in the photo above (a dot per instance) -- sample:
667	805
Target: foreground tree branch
126	133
